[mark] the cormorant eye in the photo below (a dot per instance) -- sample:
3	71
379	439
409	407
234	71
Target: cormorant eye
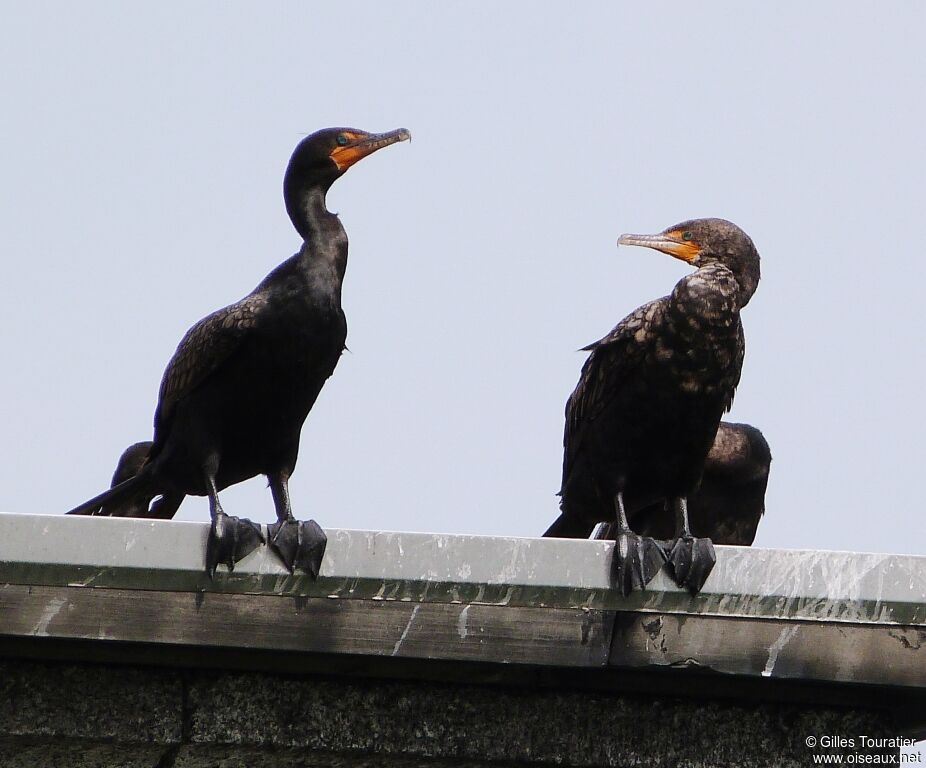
342	140
686	236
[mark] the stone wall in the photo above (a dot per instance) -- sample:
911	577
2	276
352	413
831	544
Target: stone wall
71	714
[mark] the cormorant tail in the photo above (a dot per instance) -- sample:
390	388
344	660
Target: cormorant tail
569	527
115	495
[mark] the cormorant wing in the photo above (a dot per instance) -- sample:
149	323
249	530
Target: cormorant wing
613	359
203	349
740	356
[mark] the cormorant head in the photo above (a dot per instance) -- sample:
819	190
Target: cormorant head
740	452
708	241
321	158
131	461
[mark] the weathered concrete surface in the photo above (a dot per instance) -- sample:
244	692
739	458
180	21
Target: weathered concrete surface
199	756
78	753
462	722
76	716
65	700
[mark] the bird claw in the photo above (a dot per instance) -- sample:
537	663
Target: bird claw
636	561
230	540
300	544
691	561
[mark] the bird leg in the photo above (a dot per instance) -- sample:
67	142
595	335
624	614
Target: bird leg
691	559
637	559
230	538
299	544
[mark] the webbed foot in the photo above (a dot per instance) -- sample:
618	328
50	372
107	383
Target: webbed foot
691	561
300	544
230	539
637	560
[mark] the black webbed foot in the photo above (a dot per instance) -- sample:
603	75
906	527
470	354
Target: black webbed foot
637	560
230	539
299	544
691	561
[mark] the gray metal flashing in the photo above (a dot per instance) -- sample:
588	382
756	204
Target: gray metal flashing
56	550
819	617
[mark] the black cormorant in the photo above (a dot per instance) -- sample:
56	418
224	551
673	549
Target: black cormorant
645	412
730	500
243	379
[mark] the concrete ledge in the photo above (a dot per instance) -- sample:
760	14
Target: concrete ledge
57	550
426	647
824	616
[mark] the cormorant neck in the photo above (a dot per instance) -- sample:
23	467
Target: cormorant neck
744	270
748	281
324	250
307	210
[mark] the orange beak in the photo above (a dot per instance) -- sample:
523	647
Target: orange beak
364	144
667	242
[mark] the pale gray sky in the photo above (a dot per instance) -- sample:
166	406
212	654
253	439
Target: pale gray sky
142	162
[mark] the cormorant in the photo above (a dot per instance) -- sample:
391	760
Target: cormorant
729	502
243	379
644	414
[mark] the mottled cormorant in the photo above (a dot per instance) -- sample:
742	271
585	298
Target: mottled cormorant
645	412
730	500
243	379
